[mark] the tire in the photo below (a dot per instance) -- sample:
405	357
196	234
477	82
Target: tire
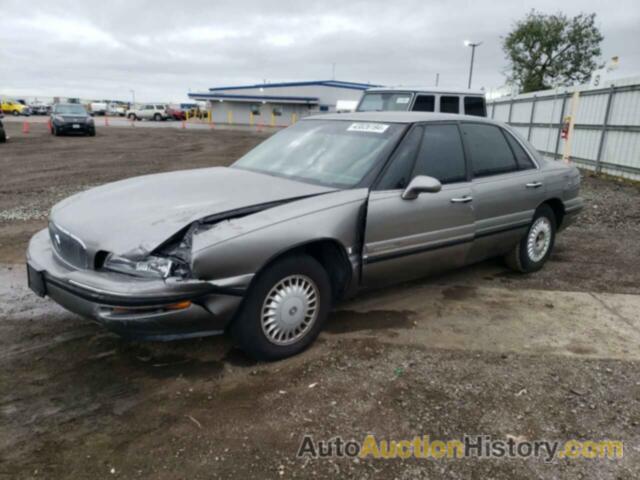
157	117
55	131
15	113
92	133
133	117
304	279
533	250
3	136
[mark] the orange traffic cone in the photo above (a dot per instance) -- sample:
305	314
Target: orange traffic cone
25	127
49	127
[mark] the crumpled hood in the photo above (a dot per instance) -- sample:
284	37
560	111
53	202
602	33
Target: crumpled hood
136	215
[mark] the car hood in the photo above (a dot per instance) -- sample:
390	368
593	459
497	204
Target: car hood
134	216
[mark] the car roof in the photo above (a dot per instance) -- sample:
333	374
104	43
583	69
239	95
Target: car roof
425	89
400	117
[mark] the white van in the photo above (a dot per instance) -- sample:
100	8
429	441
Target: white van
428	99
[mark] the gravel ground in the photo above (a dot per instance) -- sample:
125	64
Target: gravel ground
76	402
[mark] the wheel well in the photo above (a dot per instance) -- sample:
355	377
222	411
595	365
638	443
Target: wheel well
558	210
332	256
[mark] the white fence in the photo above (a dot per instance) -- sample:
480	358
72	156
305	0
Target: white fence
606	136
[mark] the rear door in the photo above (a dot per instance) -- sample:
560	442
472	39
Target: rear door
507	188
407	239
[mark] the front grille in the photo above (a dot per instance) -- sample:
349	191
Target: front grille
69	248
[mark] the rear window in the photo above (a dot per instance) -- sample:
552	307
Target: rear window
449	104
384	102
425	103
475	106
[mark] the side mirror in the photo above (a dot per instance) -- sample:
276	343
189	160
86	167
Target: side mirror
421	184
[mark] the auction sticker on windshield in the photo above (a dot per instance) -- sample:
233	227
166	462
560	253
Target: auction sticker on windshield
368	127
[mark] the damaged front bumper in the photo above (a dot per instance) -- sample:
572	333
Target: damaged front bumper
140	308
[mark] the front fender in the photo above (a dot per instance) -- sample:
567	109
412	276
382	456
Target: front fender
244	245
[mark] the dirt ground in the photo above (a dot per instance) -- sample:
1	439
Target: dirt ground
481	351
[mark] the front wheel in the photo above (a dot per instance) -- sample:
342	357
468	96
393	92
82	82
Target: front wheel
284	310
533	250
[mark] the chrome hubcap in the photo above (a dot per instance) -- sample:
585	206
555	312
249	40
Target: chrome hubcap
290	309
539	239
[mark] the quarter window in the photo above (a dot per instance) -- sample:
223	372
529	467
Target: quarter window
475	106
441	154
523	159
490	152
424	103
449	104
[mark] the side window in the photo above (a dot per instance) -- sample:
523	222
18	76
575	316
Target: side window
449	104
475	106
490	152
522	157
441	154
398	173
425	103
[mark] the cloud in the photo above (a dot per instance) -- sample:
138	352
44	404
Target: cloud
163	49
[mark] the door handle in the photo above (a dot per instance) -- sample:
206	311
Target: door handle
534	185
465	199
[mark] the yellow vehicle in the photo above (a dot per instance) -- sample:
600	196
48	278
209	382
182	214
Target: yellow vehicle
11	107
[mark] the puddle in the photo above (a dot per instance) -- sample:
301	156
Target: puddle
345	321
459	292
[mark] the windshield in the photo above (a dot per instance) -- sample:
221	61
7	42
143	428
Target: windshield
71	109
384	102
334	153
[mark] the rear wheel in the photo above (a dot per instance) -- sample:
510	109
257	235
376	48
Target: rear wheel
535	247
157	117
284	310
16	113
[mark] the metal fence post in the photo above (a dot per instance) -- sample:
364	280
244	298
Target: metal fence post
533	112
560	123
605	124
493	109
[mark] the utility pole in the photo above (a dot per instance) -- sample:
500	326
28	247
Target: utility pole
437	79
473	54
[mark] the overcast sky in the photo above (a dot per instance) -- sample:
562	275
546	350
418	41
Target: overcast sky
164	49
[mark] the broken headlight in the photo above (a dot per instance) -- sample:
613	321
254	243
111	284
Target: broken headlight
152	267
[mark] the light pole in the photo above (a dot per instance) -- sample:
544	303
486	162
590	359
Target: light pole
473	54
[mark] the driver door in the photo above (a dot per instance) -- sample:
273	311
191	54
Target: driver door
407	239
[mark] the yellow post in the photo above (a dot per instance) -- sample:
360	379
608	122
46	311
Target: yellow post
186	115
294	118
209	116
273	119
251	119
229	117
566	153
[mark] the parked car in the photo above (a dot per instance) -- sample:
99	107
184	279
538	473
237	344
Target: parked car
116	110
40	108
320	210
71	118
98	108
175	112
12	107
148	111
429	99
3	134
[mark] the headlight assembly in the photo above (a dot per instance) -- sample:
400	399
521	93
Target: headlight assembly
151	267
58	118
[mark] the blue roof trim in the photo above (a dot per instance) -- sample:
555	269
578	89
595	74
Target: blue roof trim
324	83
253	97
